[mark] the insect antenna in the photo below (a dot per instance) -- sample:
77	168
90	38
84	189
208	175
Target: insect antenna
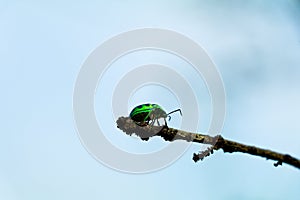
173	112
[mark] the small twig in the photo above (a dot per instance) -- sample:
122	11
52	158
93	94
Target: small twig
217	142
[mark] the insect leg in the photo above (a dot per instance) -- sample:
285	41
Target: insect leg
165	122
157	122
152	122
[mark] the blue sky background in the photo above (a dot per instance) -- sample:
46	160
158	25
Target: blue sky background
255	45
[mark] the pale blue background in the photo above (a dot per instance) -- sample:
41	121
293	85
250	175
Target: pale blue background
255	45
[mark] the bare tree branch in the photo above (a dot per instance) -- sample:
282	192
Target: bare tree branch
217	142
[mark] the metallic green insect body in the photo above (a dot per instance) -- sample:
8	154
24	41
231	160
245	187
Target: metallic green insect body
144	113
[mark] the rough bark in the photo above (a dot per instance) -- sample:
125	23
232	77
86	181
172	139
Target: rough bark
217	142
